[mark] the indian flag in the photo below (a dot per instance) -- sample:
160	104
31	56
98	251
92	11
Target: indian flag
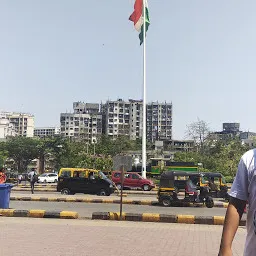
137	18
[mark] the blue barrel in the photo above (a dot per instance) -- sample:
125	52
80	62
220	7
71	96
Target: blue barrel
5	191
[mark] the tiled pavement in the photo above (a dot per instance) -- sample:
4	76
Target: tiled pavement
22	236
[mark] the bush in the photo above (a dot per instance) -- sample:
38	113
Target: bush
229	179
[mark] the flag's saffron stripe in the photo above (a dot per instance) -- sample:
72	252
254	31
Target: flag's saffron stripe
137	18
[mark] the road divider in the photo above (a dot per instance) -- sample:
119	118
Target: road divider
54	189
37	186
82	200
41	189
106	201
165	218
39	214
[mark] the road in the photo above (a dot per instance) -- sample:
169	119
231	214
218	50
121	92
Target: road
58	194
24	236
85	210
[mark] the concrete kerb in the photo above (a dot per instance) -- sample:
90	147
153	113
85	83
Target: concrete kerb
41	189
165	218
106	201
39	214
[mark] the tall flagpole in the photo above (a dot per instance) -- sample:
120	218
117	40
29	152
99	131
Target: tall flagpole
144	135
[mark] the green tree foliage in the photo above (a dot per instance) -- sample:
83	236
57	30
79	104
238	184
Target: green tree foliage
3	154
222	156
22	150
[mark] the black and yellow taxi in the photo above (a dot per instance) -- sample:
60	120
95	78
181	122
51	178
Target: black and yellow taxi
82	180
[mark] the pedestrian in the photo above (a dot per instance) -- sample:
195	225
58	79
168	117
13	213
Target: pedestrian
2	176
32	178
243	189
19	178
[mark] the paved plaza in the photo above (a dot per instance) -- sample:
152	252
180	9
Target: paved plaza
25	237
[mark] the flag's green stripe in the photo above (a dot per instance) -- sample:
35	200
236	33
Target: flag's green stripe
141	33
142	28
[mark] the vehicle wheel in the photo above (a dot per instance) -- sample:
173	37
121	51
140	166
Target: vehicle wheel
209	202
119	186
45	181
102	192
146	187
166	201
55	181
65	191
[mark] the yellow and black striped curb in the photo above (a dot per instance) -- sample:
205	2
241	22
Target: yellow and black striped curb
36	189
165	218
36	186
82	200
39	214
54	189
106	201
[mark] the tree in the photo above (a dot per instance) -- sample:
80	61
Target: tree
198	131
3	154
22	150
222	156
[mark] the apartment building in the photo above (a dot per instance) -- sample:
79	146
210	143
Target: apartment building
22	123
159	121
126	118
122	118
136	119
6	128
85	123
46	131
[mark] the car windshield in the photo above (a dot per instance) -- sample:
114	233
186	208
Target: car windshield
102	175
43	175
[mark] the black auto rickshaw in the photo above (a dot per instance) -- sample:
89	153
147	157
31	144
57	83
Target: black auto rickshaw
217	184
196	189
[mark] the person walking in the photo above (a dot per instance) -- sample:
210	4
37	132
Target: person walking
19	178
32	178
243	190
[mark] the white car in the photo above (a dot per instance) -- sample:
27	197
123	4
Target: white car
48	178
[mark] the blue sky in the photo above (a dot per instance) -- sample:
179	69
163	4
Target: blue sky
200	56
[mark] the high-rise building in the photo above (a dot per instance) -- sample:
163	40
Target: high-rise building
122	118
46	131
6	128
85	123
23	124
126	118
159	121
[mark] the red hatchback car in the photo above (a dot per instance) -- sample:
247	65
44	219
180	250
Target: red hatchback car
132	180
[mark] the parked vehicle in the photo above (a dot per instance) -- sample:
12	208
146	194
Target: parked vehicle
87	181
11	177
132	180
196	189
217	184
48	178
158	165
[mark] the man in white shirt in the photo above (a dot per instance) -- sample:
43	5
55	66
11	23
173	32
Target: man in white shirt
32	178
243	189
